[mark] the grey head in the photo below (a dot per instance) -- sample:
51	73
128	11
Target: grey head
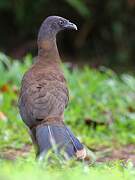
52	25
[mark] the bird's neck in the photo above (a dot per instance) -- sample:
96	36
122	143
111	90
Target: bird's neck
48	52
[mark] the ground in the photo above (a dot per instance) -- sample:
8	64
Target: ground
104	154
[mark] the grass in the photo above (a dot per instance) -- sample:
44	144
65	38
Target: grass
31	170
101	113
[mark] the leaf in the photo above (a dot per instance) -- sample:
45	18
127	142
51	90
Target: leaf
80	6
5	60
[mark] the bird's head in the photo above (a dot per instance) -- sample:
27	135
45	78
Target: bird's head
52	25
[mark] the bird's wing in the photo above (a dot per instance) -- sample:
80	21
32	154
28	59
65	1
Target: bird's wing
43	97
51	99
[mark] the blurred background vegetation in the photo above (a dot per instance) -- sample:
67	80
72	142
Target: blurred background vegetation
105	37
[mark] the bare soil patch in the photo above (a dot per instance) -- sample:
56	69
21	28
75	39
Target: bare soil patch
105	154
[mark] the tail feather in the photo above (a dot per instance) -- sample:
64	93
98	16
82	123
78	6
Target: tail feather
52	139
59	139
79	149
42	140
78	146
62	140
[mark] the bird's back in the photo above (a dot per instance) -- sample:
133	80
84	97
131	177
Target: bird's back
43	94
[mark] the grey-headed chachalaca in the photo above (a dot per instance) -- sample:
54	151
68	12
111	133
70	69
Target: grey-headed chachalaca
44	95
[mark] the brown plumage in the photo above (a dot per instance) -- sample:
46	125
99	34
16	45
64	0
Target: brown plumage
44	95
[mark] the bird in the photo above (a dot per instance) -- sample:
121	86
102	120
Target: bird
44	96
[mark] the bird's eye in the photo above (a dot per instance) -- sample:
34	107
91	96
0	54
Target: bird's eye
61	22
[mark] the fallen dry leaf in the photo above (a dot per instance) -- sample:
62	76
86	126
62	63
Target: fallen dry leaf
3	116
15	89
4	88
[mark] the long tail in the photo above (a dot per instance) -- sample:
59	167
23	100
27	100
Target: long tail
60	140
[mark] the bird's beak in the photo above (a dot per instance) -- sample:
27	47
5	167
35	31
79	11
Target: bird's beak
70	25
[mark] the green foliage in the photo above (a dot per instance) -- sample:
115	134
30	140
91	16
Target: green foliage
105	98
100	97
